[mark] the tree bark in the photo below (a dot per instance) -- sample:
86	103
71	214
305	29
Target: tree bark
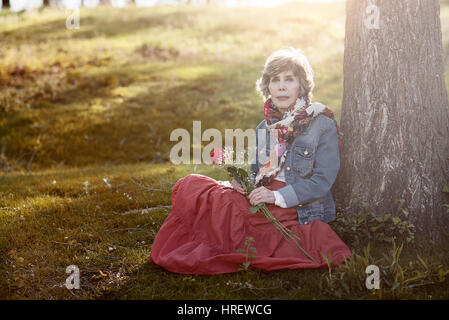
395	111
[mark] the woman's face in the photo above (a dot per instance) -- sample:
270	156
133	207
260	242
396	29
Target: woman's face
284	89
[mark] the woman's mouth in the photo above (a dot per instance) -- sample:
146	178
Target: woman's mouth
282	98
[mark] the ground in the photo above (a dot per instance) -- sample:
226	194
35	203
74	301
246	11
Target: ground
86	116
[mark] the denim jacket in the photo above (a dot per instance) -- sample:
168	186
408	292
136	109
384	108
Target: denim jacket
310	168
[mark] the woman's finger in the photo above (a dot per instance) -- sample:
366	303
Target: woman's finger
254	194
238	187
236	184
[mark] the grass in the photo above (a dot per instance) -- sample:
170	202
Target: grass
97	105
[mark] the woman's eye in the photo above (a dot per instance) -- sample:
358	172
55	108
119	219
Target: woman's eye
275	79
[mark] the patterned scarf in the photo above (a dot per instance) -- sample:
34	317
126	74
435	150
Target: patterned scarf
284	127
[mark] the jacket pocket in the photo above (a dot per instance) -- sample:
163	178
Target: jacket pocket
303	157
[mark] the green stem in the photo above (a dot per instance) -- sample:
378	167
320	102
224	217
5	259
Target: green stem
242	177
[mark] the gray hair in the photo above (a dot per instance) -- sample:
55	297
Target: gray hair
284	60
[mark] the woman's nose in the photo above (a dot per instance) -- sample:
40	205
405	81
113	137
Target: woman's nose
282	85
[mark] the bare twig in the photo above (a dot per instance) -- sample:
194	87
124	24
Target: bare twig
34	152
4	160
17	161
68	244
145	187
128	229
144	210
122	142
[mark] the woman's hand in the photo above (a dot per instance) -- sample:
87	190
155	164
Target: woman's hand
261	194
238	187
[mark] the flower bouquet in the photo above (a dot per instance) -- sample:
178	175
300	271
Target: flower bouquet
242	176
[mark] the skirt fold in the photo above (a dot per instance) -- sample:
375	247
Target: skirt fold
209	222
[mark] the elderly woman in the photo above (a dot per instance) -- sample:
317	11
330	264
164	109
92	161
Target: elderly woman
295	165
301	141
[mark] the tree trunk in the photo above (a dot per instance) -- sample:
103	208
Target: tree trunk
395	111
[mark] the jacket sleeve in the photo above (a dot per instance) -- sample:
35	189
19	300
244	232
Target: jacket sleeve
327	164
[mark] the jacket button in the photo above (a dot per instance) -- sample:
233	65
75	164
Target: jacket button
300	205
288	168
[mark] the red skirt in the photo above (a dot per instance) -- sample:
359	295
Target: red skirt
209	222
